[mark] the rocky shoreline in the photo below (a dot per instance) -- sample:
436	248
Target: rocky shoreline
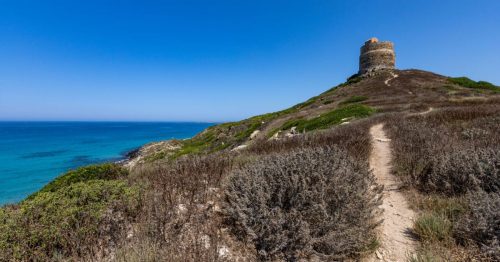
150	150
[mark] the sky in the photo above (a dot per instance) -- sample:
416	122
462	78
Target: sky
215	61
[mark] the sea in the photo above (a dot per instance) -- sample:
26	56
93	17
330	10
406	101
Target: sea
34	153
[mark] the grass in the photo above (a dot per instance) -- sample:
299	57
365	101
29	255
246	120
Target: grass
195	145
467	82
247	132
433	227
354	99
351	80
425	254
329	119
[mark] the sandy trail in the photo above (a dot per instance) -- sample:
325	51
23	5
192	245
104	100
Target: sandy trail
393	76
395	237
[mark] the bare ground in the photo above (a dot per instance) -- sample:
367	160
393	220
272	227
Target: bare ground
395	231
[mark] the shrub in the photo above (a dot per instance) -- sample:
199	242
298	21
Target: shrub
354	79
67	217
331	118
466	82
310	201
482	223
66	222
87	173
177	219
462	171
354	99
424	255
432	227
353	139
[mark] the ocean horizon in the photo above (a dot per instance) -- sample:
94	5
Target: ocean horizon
33	153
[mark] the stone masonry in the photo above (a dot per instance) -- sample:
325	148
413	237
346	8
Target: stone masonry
376	55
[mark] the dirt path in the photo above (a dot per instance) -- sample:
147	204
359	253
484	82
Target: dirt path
393	76
430	109
396	242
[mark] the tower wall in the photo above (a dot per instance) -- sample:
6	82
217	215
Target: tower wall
376	55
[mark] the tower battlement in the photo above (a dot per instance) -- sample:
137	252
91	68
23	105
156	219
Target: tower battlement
376	55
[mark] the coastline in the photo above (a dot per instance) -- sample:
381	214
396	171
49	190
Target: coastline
36	153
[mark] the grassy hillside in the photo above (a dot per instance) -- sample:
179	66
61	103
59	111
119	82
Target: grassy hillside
284	186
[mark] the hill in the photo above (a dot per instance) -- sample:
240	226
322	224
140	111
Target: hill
298	184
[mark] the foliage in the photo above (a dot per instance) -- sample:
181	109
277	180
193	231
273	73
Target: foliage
467	82
462	171
450	156
177	220
432	227
67	218
350	81
482	223
310	201
328	119
83	174
354	139
354	99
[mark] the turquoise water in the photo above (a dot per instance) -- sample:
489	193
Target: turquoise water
34	153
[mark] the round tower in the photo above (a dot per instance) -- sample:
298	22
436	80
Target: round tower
376	55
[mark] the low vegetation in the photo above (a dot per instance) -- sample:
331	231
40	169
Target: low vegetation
184	200
69	216
432	227
466	82
451	158
329	119
354	99
302	203
306	197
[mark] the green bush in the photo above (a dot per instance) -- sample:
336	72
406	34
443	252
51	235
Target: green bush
329	119
87	173
69	217
466	82
354	99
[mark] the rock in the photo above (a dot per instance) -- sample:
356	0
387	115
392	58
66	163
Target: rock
206	241
181	209
275	136
254	134
223	251
240	147
379	256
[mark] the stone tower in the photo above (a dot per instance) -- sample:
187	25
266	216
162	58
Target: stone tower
376	55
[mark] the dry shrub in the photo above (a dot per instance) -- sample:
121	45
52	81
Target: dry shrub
312	201
482	223
427	147
454	153
462	171
353	138
179	221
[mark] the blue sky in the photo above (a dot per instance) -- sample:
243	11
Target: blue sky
219	60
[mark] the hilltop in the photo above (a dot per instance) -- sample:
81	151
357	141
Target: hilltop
391	91
298	184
